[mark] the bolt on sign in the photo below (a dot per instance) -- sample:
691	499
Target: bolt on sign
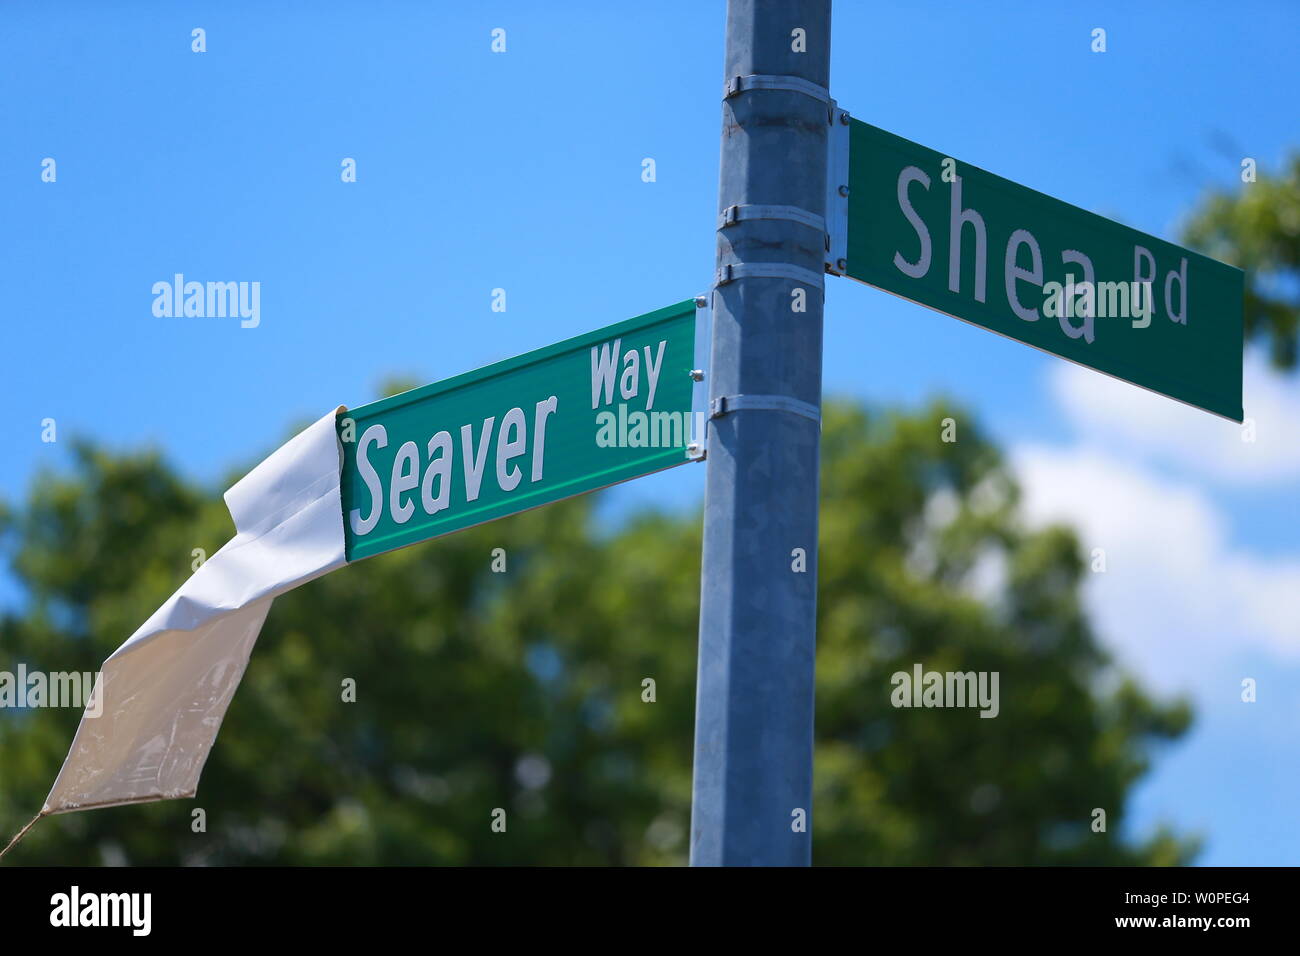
981	248
584	413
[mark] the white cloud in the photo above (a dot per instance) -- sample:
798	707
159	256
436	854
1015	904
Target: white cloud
1146	424
1177	601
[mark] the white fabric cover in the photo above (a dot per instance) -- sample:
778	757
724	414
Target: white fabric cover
162	695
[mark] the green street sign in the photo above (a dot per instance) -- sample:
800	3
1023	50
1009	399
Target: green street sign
588	412
980	248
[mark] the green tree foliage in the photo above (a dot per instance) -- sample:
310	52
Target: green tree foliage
1258	229
524	690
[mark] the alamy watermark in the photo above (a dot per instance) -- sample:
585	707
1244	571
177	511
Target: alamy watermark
55	689
217	300
639	429
1101	300
133	911
922	688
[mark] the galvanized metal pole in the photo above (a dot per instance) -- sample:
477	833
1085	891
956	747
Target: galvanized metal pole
752	799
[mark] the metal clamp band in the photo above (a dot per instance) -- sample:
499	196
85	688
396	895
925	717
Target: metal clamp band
747	211
725	404
766	81
767	270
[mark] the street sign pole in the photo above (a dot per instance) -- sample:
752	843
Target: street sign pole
752	795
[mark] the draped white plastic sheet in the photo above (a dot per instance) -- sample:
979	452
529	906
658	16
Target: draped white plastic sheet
163	694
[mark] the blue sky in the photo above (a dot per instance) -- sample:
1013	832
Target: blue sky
522	170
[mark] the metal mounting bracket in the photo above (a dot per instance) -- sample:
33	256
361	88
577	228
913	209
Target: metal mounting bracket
697	441
837	192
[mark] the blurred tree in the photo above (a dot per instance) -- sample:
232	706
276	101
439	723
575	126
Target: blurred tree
1258	229
524	690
